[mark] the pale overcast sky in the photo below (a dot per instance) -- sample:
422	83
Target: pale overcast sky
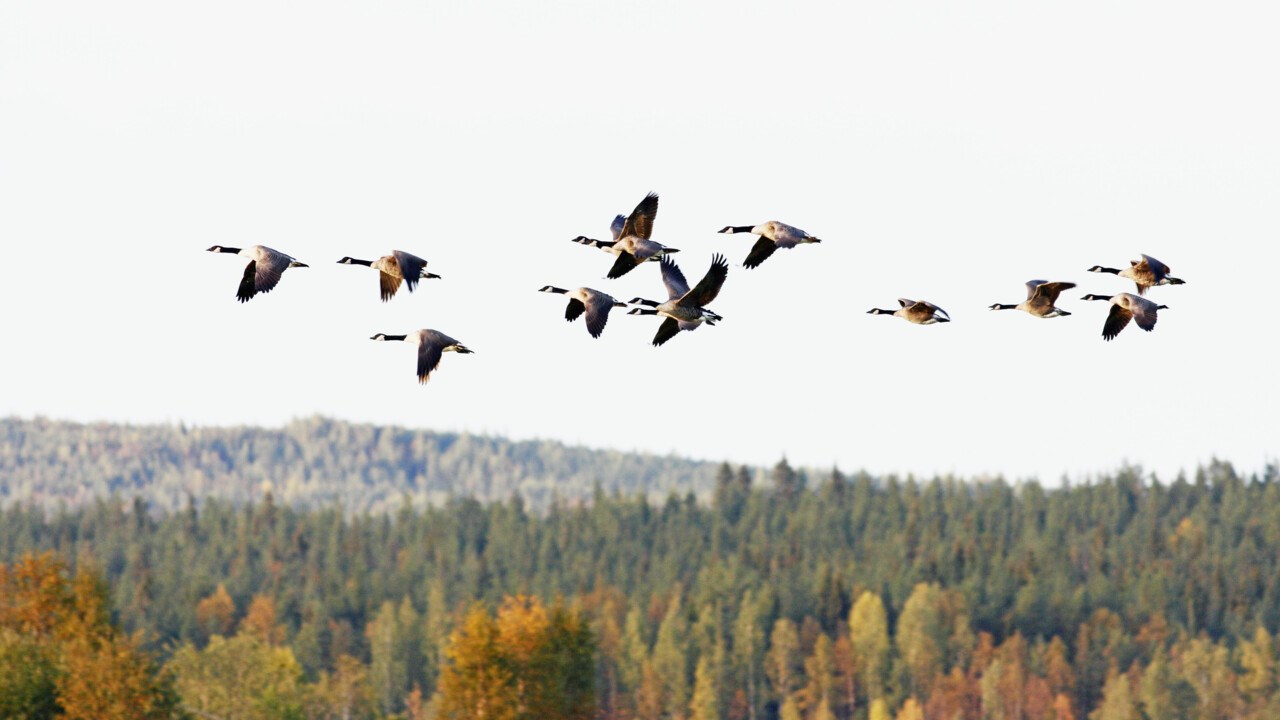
942	150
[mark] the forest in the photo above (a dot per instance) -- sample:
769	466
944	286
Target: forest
315	462
778	595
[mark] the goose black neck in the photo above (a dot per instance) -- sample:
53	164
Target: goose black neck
394	337
742	228
999	306
366	263
1113	271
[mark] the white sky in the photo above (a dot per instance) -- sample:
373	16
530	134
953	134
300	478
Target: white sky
947	151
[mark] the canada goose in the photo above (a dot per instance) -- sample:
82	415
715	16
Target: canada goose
684	309
1041	295
773	235
615	229
593	302
393	268
631	243
1144	273
263	271
431	345
920	312
1126	307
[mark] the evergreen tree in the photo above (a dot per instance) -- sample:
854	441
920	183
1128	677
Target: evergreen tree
786	481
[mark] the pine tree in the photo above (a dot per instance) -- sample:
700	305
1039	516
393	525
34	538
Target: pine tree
786	482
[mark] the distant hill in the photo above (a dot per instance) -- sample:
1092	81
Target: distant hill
312	462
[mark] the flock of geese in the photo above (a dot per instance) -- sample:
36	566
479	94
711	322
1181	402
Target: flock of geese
686	309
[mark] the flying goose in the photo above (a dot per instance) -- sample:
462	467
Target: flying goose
1041	295
593	302
1126	307
615	229
263	271
393	268
431	345
920	312
1144	273
631	243
773	235
685	309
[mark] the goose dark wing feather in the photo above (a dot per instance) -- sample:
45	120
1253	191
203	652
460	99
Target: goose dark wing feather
247	287
677	286
410	267
1050	291
268	274
1145	317
598	314
1116	321
625	263
574	309
428	358
709	286
666	331
760	252
640	222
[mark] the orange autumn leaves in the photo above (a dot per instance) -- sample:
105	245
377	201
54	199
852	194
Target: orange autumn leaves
523	662
60	654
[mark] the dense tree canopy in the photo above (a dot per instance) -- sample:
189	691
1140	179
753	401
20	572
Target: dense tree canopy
314	462
851	597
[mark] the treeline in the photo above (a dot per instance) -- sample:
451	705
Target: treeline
848	597
313	463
